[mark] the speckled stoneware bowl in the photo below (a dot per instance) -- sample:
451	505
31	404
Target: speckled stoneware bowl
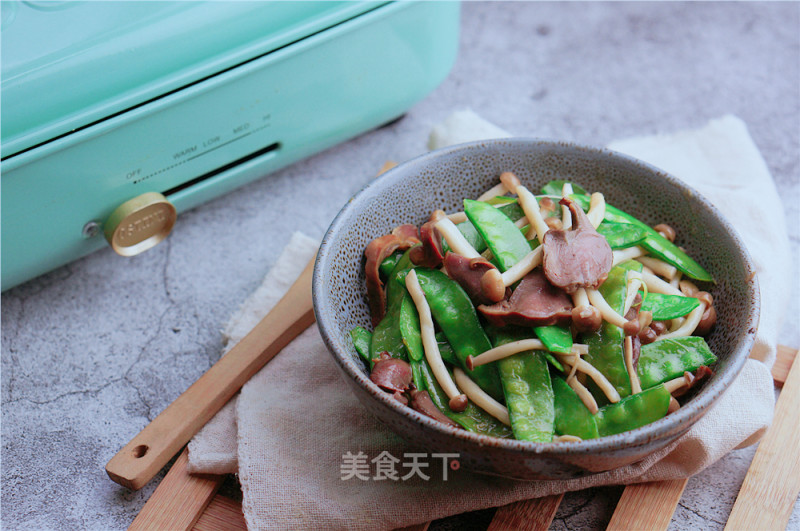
441	179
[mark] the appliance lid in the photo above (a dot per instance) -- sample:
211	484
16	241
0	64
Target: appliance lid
67	64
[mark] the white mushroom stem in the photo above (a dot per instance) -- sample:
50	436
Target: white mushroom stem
479	397
588	369
429	343
531	208
689	323
659	267
584	394
498	189
597	209
675	324
636	386
579	298
676	280
633	283
457	217
521	222
523	267
566	215
515	347
679	383
606	311
624	255
657	285
566	438
455	239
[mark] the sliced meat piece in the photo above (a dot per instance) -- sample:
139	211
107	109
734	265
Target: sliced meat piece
391	374
469	273
431	253
400	239
535	302
421	401
576	258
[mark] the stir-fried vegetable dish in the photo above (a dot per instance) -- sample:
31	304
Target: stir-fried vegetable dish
551	317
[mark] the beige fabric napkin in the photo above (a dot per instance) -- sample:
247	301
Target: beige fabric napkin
299	428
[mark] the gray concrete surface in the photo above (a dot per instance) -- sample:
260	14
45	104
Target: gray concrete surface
93	351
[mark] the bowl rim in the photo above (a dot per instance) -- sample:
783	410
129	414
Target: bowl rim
666	426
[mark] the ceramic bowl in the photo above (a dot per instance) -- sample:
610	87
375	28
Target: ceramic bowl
441	179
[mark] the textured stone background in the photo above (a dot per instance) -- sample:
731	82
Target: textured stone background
93	351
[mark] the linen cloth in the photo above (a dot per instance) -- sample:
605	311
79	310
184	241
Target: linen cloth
293	431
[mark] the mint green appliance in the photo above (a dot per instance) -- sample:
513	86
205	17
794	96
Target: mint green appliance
105	101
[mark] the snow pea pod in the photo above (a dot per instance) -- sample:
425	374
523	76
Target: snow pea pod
387	336
605	345
504	239
666	359
529	393
555	338
622	235
656	244
361	340
572	417
408	322
388	263
633	411
666	307
452	309
446	351
472	418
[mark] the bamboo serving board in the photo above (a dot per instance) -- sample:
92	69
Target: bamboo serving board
765	501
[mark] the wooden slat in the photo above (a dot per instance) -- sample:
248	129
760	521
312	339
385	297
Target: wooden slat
222	514
647	505
179	500
772	483
530	515
783	362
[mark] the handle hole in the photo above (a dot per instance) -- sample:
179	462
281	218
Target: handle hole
140	451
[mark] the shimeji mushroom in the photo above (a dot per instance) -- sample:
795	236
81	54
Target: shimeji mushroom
624	255
529	205
515	347
589	369
659	267
481	398
430	346
566	216
636	387
455	239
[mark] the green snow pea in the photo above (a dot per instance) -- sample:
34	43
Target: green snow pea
361	340
665	307
572	417
472	418
446	351
452	309
528	392
555	338
503	238
622	235
388	263
606	345
666	359
387	336
470	234
408	322
633	411
656	244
